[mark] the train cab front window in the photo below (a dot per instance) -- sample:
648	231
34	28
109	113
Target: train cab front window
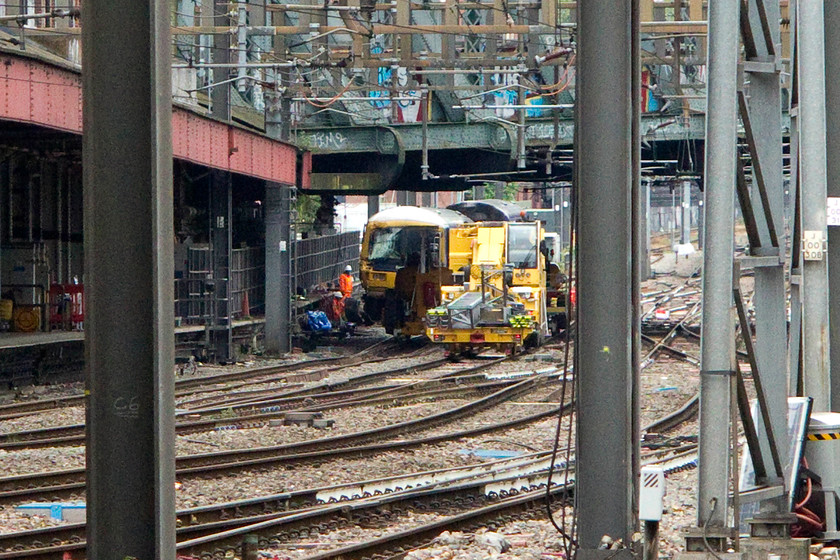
390	247
522	245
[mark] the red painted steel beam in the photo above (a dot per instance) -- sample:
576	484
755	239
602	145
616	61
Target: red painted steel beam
36	92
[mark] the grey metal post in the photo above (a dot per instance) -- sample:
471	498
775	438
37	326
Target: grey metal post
794	213
701	220
769	296
478	192
278	274
426	199
499	189
220	95
685	220
410	198
402	198
603	151
372	205
128	237
812	154
221	237
646	272
638	242
832	99
718	331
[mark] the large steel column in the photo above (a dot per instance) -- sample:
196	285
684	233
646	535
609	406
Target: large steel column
278	272
128	233
603	154
220	53
718	331
402	198
832	100
812	165
426	200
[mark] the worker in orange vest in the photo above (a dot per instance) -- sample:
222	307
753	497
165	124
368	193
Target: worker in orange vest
345	282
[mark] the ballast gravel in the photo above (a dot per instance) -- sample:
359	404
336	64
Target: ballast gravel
666	385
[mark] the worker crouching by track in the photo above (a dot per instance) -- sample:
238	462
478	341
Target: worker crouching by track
335	314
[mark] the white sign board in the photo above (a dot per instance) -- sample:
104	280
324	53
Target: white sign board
813	245
832	210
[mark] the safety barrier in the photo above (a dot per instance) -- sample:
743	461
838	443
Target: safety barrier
319	261
67	306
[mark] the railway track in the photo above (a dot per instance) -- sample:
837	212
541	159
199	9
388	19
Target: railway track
67	483
285	516
259	410
218	531
491	493
185	386
299	514
460	387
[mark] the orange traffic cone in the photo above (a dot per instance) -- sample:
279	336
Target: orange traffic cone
246	305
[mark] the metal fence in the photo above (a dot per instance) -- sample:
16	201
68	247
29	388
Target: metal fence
197	292
319	261
247	276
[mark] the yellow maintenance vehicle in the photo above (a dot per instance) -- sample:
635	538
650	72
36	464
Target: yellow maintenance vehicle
498	298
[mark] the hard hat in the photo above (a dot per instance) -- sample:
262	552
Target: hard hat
338	295
348	268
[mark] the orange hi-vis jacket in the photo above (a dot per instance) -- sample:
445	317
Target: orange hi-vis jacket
345	284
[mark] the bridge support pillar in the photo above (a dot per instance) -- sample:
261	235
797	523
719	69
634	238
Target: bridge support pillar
278	271
478	192
406	198
221	331
372	205
128	243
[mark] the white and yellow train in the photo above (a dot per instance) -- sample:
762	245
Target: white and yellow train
463	283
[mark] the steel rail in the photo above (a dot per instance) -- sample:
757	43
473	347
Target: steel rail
673	351
318	376
289	515
16	410
61	484
686	412
75	435
252	411
270	517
